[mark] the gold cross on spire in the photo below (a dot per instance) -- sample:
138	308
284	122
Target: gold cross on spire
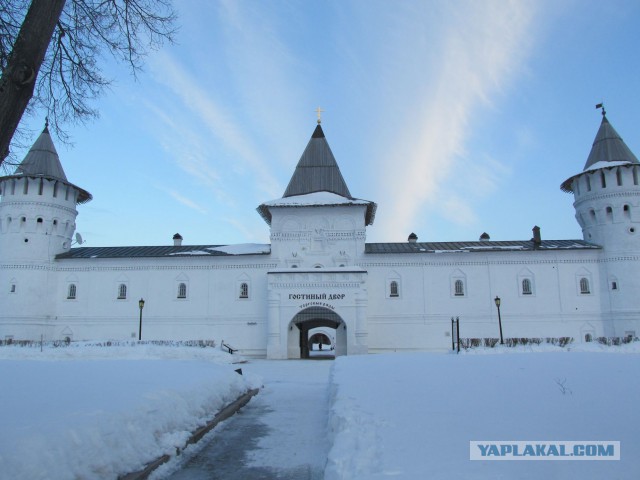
319	112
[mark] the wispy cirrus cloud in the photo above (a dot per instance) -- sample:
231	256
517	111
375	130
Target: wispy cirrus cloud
482	47
187	202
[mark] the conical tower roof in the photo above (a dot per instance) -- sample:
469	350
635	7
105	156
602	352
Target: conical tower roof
317	170
608	150
317	181
42	159
608	147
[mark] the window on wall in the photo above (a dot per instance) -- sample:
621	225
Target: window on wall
12	288
584	286
182	290
588	337
393	289
71	292
459	288
526	286
122	291
244	290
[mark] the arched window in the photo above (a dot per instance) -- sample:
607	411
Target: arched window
526	286
71	293
588	337
603	179
584	286
182	290
244	290
122	291
393	289
619	177
459	288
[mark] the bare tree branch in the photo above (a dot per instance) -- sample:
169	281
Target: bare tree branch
69	77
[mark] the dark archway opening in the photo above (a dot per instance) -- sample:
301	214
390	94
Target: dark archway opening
315	317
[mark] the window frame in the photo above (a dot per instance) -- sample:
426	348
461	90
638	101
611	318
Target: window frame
243	293
394	289
585	285
459	288
182	291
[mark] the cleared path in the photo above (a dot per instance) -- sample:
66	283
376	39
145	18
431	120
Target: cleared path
280	434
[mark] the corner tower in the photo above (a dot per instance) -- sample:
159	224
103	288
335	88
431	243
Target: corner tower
607	204
38	207
607	193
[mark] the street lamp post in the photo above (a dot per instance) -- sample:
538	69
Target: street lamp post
497	300
141	305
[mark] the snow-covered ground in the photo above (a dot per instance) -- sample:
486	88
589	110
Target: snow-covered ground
280	434
413	415
95	412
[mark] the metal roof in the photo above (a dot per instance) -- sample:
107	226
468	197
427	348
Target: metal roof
317	170
370	248
609	147
148	252
608	150
43	161
464	247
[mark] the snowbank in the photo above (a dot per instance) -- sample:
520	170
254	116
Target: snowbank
413	415
97	412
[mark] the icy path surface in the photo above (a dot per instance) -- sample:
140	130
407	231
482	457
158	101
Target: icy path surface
280	434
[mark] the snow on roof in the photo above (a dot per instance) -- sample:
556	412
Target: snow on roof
191	252
243	249
606	164
315	198
167	251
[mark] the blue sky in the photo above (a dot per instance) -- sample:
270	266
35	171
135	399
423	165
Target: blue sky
455	117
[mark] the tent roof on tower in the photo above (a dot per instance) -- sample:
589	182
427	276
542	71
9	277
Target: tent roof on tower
43	161
317	181
608	150
317	170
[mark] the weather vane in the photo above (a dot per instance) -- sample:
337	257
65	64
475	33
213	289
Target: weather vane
319	112
601	105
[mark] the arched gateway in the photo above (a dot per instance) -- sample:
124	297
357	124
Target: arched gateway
310	318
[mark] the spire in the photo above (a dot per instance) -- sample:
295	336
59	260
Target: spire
608	146
317	170
42	159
